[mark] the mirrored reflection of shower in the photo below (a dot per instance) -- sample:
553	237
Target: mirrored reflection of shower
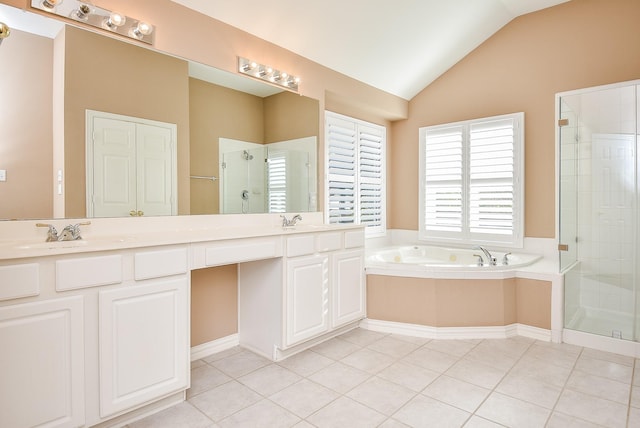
243	180
274	177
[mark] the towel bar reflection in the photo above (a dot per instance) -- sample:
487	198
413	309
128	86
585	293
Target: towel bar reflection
204	177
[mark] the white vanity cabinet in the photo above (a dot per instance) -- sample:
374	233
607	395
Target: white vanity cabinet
307	298
325	287
143	335
348	291
42	363
143	332
317	289
98	332
92	335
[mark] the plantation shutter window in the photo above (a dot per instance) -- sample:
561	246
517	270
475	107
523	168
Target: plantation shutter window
277	181
444	180
355	173
491	177
473	181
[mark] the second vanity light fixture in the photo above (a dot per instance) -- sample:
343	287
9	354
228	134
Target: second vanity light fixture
268	74
87	13
5	31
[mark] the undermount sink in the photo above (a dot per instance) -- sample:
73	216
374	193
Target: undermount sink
54	245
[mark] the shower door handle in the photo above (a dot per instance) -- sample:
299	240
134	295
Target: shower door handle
563	247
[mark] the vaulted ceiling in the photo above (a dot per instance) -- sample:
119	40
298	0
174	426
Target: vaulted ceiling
397	46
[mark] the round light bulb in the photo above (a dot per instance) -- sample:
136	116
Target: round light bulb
5	31
50	5
116	19
141	30
144	28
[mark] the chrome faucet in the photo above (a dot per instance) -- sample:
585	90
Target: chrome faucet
289	223
69	233
505	259
52	233
490	259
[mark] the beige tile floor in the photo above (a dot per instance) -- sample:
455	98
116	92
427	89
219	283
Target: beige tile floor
370	379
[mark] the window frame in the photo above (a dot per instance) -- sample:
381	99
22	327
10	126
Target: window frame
466	236
358	180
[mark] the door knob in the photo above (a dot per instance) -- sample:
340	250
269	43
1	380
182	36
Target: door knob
133	213
140	213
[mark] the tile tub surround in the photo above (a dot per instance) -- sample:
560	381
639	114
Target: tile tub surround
370	379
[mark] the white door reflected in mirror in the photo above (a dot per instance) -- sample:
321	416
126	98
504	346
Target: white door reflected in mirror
131	168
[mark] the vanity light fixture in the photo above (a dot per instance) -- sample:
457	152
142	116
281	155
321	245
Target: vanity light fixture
268	74
5	31
85	12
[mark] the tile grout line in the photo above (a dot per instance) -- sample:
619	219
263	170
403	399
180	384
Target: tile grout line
633	375
494	389
573	367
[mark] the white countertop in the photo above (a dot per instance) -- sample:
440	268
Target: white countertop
116	234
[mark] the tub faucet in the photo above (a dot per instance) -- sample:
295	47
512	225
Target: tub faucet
480	259
505	259
289	223
492	260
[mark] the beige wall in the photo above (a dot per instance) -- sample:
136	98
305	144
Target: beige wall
459	303
214	303
26	126
577	44
106	75
288	116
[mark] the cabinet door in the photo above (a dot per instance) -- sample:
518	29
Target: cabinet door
42	364
144	347
307	298
347	287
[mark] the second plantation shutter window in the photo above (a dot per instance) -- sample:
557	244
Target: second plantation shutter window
473	181
491	177
355	173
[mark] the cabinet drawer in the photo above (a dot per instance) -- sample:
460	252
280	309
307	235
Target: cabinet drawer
156	264
88	272
19	281
328	241
354	239
300	245
251	249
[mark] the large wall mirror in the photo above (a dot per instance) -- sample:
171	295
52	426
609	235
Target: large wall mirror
223	124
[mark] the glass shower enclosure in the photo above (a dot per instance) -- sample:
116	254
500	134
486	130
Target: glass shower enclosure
598	215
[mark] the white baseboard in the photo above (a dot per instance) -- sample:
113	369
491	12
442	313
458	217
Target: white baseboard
206	349
493	332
